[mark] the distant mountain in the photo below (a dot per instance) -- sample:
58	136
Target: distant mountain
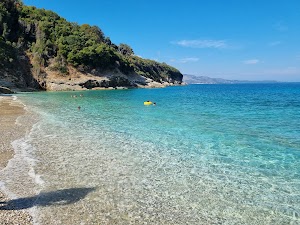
193	79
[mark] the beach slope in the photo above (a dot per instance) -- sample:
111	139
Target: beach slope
10	110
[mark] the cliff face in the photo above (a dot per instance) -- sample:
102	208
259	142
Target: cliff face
22	76
41	50
15	72
83	79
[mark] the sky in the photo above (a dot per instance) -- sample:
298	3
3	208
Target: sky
230	39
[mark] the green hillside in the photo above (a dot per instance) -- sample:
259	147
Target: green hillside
43	39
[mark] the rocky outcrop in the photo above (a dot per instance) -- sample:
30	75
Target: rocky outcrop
115	81
5	90
22	77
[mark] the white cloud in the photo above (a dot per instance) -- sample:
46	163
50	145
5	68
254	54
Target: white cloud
284	71
280	26
274	43
251	61
278	72
155	59
202	43
185	60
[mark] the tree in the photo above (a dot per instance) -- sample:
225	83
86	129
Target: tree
93	33
9	26
125	49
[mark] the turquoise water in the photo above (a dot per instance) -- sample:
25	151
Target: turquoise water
205	154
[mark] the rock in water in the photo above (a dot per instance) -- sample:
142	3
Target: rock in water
5	90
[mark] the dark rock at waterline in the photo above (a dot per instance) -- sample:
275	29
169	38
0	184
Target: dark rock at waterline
112	82
5	90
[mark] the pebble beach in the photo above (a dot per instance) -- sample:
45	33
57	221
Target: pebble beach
10	110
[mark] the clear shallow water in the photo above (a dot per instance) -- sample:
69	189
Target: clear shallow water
206	154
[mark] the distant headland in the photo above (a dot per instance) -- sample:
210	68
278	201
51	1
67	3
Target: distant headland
193	79
39	50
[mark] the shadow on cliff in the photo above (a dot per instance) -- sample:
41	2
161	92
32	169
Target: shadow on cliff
59	197
17	72
27	80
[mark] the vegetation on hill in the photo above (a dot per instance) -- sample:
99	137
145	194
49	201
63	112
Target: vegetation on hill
52	41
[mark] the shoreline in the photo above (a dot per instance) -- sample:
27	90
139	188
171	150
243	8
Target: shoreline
10	111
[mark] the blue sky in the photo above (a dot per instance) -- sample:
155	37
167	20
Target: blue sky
231	39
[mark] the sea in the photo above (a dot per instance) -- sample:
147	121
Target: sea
204	154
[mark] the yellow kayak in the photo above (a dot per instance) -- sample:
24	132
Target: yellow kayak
148	103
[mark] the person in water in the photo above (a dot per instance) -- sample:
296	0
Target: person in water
79	107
